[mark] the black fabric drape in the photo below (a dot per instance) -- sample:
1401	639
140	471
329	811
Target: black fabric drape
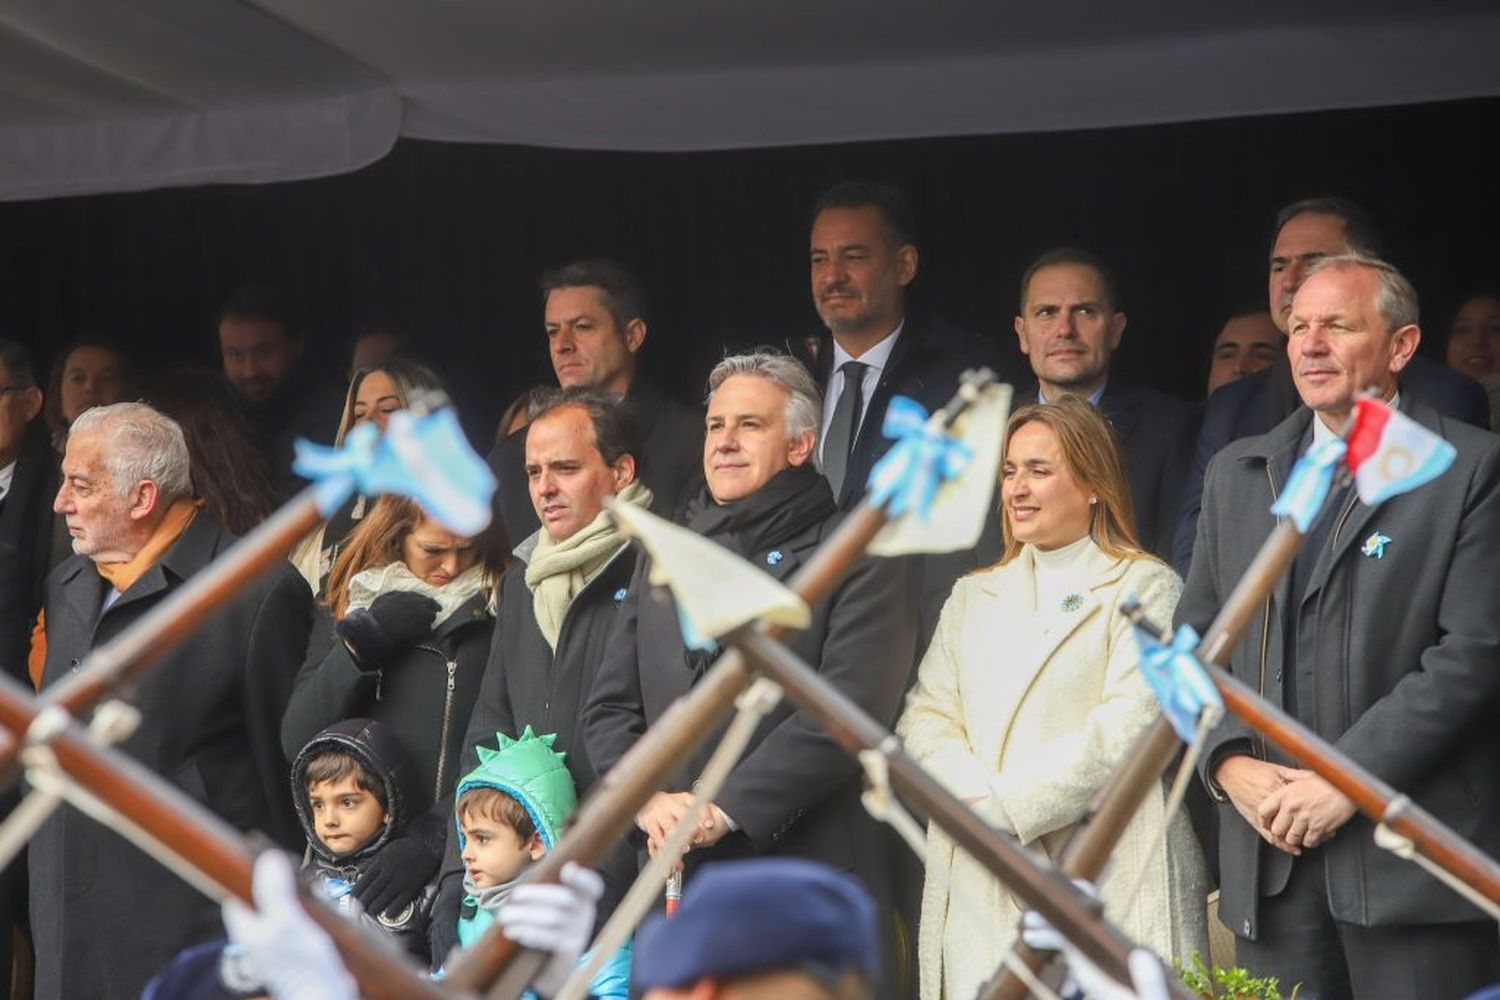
452	238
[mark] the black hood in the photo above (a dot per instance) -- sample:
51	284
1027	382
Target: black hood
378	749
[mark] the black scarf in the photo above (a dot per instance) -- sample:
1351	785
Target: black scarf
790	502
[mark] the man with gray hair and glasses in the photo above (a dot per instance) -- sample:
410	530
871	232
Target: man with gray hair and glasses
1382	639
104	916
794	792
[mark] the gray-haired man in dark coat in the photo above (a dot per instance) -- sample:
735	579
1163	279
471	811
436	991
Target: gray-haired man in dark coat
795	792
1384	639
105	916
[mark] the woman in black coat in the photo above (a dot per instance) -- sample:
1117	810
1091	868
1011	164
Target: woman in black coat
410	605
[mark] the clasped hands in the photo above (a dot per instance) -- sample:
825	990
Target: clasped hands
662	812
1291	808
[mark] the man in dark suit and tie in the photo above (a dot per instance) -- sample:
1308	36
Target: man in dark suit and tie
1069	326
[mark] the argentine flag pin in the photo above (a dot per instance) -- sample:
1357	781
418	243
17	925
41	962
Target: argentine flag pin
1374	547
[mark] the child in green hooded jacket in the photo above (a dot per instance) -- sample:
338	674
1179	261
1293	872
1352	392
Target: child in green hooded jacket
510	811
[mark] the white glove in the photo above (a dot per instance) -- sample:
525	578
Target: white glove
554	918
1148	978
288	953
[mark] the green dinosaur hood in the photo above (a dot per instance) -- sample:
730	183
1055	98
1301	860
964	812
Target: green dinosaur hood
532	773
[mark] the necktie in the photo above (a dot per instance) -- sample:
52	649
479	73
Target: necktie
844	426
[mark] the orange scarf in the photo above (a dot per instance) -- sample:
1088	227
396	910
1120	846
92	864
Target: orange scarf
121	575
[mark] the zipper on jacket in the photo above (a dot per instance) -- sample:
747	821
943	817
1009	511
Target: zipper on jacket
437	781
1339	526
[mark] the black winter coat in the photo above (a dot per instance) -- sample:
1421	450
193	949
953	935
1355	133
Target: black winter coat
105	916
795	792
376	747
527	683
423	696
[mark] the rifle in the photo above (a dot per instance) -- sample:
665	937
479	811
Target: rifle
1417	830
188	838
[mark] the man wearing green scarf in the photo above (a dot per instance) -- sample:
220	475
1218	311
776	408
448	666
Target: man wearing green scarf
559	599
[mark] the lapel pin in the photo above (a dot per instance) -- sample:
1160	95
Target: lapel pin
774	557
620	595
1374	547
1072	602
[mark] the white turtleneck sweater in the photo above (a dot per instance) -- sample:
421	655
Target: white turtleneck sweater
1060	572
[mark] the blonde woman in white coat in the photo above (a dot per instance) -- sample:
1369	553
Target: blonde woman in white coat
1030	696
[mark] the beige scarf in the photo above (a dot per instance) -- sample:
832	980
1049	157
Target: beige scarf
557	571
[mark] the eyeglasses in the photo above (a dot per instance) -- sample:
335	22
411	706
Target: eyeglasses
13	388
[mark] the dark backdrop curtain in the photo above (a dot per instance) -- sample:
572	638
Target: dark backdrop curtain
451	238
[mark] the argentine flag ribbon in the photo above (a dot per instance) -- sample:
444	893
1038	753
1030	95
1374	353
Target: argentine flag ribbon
923	458
1308	485
1390	453
1178	680
425	457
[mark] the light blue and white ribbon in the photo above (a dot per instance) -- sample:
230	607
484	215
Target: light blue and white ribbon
1178	680
424	457
923	459
1308	485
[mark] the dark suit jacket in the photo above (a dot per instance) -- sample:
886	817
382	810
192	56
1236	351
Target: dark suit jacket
26	522
795	792
1156	433
670	463
105	916
1256	403
925	365
1397	658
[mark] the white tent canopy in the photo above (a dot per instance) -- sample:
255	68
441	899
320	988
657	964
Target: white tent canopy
103	96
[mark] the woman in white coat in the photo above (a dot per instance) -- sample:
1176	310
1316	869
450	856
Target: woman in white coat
1030	696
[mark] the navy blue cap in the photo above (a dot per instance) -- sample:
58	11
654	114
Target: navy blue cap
738	918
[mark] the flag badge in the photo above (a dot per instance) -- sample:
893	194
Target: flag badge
1390	453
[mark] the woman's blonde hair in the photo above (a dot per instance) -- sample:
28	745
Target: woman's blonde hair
377	539
1092	455
407	377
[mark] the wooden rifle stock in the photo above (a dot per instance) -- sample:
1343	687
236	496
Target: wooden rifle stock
1090	847
210	852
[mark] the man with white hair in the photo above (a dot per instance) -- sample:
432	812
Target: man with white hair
105	917
794	792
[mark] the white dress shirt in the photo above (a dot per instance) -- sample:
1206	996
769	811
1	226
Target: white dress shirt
874	360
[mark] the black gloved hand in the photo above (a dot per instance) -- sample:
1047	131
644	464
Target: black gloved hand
391	622
442	926
395	876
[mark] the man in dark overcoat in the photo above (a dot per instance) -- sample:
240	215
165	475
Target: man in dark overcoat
558	601
1383	639
104	915
794	792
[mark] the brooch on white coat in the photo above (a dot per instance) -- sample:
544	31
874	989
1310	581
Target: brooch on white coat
1072	602
1374	547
